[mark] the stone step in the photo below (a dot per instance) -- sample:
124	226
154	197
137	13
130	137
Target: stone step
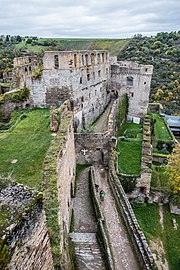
87	251
83	237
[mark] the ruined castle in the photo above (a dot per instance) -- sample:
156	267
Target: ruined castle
80	84
87	78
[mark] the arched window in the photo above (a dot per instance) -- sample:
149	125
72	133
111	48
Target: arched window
130	80
86	59
82	60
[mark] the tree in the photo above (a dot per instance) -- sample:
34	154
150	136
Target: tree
19	38
173	170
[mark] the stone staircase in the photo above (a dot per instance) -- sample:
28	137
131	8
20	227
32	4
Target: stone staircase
87	252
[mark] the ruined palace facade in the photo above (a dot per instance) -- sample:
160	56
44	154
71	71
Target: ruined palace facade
81	76
86	78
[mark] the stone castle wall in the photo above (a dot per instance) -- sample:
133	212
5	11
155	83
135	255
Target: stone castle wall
58	184
82	76
92	148
23	69
135	80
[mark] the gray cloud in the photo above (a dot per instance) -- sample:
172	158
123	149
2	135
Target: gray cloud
90	18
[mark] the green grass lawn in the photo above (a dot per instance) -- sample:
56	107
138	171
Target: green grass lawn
160	130
129	151
148	218
129	157
28	143
171	239
131	126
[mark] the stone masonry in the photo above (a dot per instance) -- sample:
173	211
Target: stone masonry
135	80
86	78
23	229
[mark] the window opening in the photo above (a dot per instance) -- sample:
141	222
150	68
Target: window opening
130	80
75	60
56	61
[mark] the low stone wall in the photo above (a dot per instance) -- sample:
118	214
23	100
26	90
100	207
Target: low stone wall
137	237
24	235
102	232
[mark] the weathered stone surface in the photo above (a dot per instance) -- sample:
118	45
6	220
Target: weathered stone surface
24	229
138	88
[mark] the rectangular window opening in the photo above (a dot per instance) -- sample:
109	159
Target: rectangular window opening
56	61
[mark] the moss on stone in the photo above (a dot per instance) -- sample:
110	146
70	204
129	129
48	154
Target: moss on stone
50	179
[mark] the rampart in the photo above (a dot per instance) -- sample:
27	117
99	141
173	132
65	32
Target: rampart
58	185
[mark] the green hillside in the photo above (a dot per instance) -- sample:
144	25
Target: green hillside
113	45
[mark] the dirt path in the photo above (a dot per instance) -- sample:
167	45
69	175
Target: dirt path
101	124
121	248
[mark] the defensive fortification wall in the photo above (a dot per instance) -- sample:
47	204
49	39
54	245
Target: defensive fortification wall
58	184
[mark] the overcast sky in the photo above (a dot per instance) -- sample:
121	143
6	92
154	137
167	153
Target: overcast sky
88	18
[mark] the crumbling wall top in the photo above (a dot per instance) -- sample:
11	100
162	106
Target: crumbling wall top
15	201
74	59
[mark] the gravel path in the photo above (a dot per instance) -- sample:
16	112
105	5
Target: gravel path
101	124
121	248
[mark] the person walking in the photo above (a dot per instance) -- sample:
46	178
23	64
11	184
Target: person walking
102	195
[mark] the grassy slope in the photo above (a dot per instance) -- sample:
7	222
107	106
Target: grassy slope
148	218
113	45
171	239
27	143
160	130
29	47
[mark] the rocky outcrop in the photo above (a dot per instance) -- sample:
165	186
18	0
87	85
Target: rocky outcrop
23	230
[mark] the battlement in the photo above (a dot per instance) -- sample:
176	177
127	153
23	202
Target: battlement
74	59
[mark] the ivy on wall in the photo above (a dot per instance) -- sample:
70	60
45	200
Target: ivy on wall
122	110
